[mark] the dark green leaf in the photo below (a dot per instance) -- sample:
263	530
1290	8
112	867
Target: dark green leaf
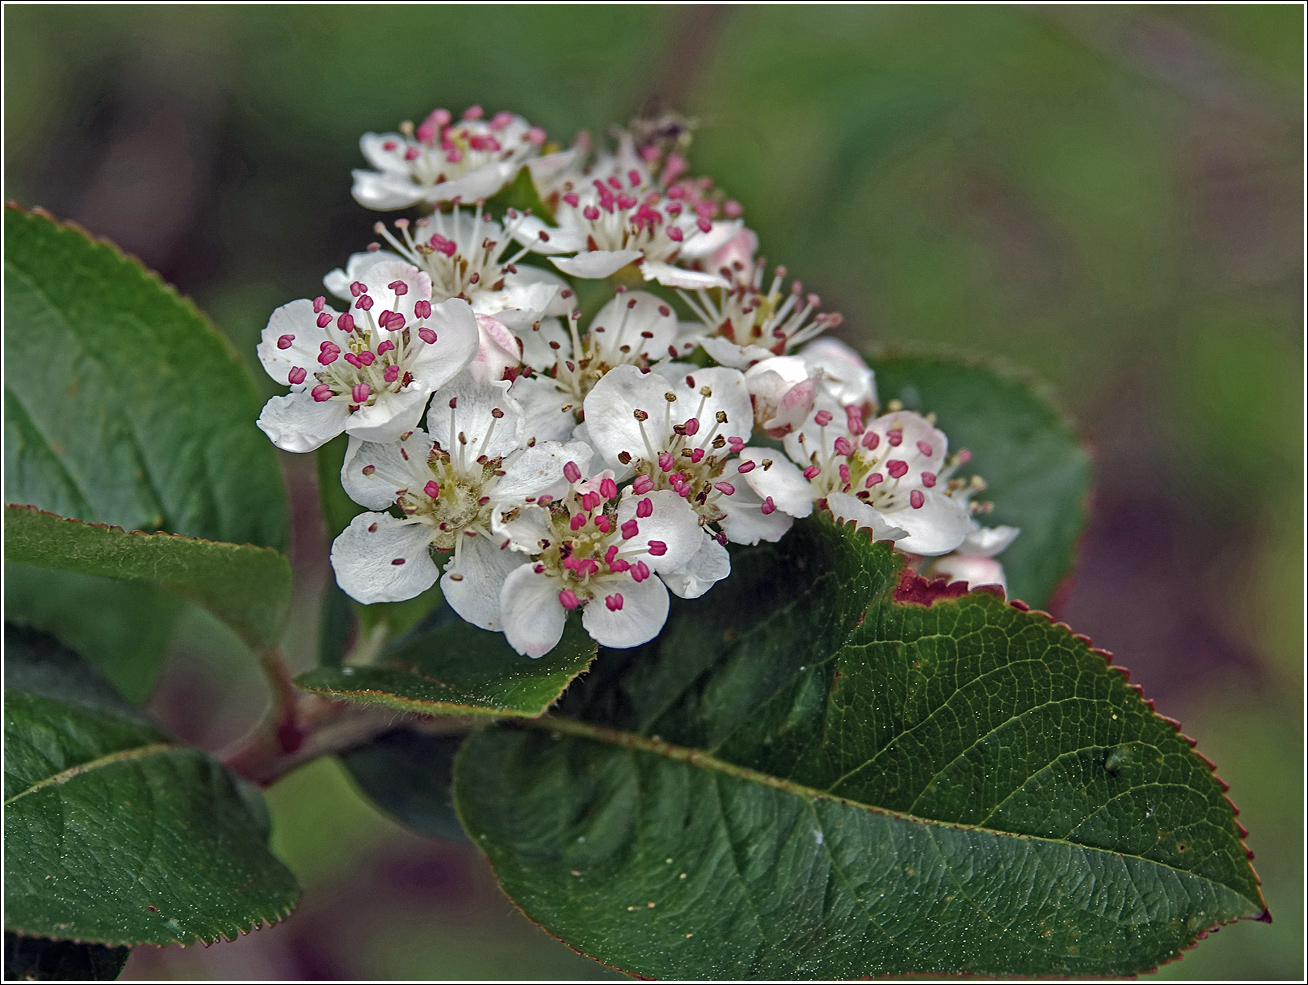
1037	473
121	627
408	775
35	959
247	587
458	669
114	834
823	769
123	404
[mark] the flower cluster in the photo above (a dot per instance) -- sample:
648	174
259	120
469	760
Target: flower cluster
592	457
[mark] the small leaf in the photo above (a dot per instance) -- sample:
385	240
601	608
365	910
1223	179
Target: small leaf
114	834
828	768
1037	473
408	775
247	587
459	669
35	959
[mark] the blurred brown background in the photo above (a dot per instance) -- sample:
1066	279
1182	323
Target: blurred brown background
1110	197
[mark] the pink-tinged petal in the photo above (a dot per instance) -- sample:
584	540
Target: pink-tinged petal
672	523
719	235
783	389
497	351
782	481
971	568
384	192
673	276
484	413
473	588
531	612
296	422
709	566
538	471
736	254
644	611
987	541
846	377
390	416
938	526
594	264
378	559
373	472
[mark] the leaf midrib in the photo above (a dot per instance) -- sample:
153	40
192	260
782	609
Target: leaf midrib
703	760
122	755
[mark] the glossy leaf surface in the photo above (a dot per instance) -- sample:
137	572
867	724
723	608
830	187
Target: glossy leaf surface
820	770
115	834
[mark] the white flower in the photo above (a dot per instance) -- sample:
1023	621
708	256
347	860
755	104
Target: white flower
782	388
595	552
632	329
682	436
444	161
368	372
740	324
447	482
885	474
464	253
611	222
974	561
846	378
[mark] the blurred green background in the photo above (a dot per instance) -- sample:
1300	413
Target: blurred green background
1111	198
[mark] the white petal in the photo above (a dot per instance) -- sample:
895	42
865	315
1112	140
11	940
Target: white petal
300	321
987	541
527	230
533	616
745	522
473	416
390	416
672	276
547	168
534	278
643	613
473	588
625	320
551	414
709	566
365	559
673	522
611	406
527	528
728	353
481	183
389	469
456	343
384	192
737	255
536	338
357	268
380	275
782	480
937	527
373	146
594	264
298	423
538	471
845	507
728	397
518	305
